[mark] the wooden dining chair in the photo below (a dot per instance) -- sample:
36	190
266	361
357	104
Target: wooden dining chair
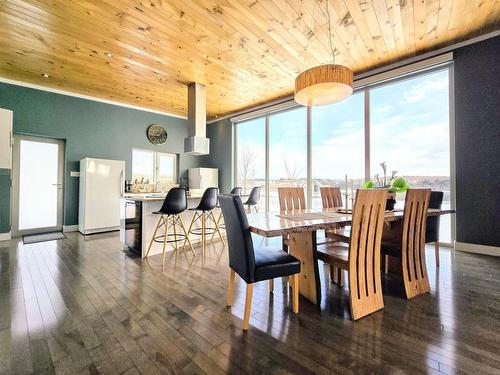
332	198
253	263
291	198
361	257
408	245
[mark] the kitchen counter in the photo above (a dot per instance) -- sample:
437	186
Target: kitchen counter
137	222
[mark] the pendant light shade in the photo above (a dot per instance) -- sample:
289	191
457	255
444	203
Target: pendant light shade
323	84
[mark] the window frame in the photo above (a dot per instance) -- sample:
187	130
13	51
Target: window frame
365	90
156	165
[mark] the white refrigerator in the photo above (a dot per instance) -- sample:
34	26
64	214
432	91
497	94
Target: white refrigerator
102	184
201	178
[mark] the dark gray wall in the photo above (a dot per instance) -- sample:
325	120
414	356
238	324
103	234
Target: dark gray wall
91	129
477	127
221	149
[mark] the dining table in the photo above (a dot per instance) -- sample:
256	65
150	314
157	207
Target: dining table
301	226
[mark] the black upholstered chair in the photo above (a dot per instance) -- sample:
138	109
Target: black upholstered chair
204	213
253	199
220	223
250	263
236	191
173	205
432	228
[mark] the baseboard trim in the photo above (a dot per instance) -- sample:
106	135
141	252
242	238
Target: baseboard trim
70	228
5	236
477	249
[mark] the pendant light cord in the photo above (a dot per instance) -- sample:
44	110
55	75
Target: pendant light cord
330	30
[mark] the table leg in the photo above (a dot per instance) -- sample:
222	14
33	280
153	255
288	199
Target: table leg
303	247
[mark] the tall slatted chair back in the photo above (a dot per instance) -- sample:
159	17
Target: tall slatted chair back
291	198
364	252
413	263
330	197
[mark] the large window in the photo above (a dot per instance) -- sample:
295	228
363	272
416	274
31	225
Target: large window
403	122
153	171
410	131
250	156
287	152
338	146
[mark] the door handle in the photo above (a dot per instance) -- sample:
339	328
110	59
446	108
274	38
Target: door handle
56	184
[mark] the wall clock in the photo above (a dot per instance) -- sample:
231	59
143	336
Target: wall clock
157	134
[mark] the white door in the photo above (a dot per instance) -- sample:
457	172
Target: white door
38	172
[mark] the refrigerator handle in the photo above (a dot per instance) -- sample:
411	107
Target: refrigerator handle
122	182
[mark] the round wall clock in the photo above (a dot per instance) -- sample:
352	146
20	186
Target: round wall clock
157	134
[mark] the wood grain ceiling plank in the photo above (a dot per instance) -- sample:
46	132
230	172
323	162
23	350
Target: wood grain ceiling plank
359	20
371	22
285	17
315	18
394	11
444	15
382	14
345	28
246	51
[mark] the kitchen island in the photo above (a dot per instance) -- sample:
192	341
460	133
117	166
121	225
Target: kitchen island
137	222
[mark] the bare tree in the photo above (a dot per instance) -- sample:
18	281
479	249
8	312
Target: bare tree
247	167
292	170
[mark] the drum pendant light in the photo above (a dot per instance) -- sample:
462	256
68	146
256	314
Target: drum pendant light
324	84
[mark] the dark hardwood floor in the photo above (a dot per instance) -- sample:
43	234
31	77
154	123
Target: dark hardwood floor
83	306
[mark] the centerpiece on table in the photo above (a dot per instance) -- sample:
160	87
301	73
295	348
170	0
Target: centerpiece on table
394	183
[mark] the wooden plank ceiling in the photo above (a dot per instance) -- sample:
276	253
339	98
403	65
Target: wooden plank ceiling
144	52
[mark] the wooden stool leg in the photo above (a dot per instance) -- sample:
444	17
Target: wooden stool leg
154	235
216	223
175	234
186	234
271	285
231	287
296	293
248	306
436	250
165	236
190	227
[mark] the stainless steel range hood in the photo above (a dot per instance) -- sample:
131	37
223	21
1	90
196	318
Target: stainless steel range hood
197	143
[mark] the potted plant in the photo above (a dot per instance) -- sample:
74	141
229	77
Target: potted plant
393	183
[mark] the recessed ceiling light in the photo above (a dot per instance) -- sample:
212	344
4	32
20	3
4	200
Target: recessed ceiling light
138	97
45	75
109	54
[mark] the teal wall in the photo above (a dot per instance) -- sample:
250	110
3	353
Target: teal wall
4	200
221	150
91	129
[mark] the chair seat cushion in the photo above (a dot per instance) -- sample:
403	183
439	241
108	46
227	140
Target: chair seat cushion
273	262
334	253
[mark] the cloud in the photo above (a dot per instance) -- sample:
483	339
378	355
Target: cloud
420	90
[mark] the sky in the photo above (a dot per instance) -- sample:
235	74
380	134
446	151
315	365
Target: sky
409	130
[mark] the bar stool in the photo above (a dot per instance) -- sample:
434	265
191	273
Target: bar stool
253	199
174	204
204	212
234	191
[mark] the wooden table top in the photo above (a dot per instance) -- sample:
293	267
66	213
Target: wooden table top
273	224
